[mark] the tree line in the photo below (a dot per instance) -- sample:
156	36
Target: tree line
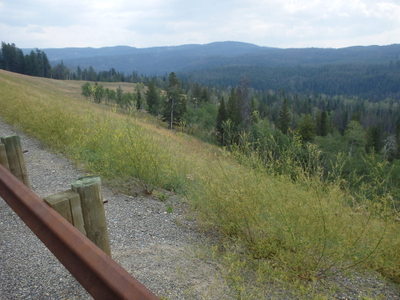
36	63
170	105
60	71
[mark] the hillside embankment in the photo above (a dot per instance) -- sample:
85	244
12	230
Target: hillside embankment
275	236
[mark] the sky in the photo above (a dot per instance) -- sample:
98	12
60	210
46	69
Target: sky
148	23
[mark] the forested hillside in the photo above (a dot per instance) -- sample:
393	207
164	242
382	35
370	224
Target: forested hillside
371	72
371	81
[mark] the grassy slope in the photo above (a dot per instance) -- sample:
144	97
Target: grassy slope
288	231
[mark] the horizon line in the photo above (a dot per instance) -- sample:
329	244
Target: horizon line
205	44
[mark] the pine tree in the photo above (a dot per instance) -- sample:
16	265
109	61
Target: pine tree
374	139
205	97
45	65
397	136
233	109
153	99
119	96
1	60
138	100
60	71
307	128
221	118
244	104
13	58
322	124
175	105
127	100
284	117
78	73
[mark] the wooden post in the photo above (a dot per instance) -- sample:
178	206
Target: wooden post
89	190
3	156
68	204
15	158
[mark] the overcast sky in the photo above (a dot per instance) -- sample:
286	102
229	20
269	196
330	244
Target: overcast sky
146	23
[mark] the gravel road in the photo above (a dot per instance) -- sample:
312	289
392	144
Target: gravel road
157	247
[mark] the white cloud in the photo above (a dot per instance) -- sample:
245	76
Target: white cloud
279	23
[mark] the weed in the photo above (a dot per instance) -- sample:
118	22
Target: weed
162	196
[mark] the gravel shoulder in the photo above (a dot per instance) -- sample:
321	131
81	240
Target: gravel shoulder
157	247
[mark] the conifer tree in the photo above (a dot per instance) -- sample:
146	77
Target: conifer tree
153	99
119	96
322	124
127	100
244	104
138	100
45	65
307	128
397	137
284	117
205	97
233	109
221	118
175	105
13	58
374	139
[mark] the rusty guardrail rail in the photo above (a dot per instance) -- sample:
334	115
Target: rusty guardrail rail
101	276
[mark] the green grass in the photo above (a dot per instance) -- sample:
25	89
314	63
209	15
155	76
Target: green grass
283	231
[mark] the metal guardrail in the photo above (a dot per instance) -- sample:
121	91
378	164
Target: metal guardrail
101	276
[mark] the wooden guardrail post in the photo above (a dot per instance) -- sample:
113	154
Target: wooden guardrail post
68	205
3	156
15	158
89	190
